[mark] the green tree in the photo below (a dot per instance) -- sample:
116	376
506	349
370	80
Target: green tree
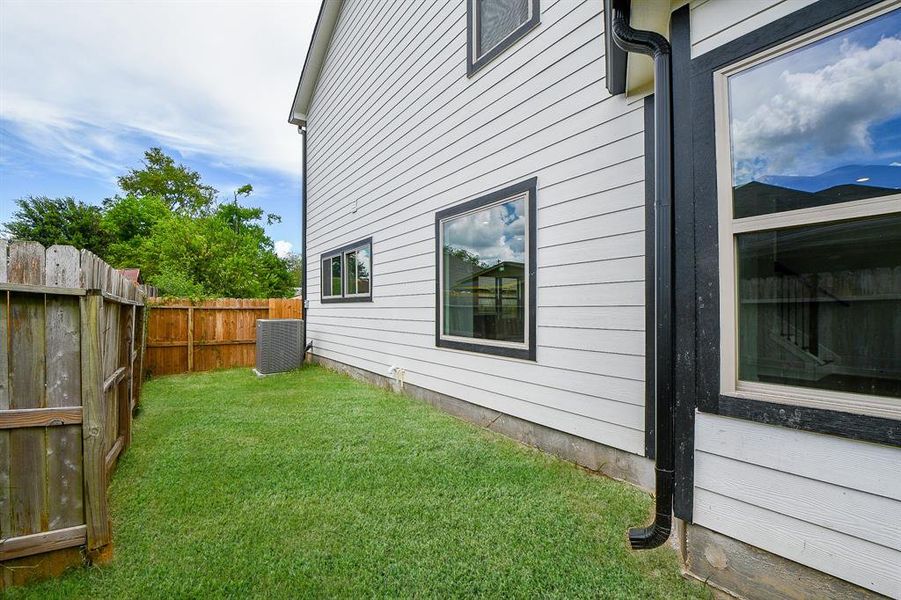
177	185
294	261
59	221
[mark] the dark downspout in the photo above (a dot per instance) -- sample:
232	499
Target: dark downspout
303	243
655	45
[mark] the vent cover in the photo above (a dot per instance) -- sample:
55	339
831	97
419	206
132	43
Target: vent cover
279	345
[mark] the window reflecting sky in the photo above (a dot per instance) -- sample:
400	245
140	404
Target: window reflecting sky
824	115
495	234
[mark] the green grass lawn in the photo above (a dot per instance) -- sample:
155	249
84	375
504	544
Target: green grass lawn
311	484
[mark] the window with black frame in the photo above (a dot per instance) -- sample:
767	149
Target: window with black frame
347	273
494	25
813	244
486	274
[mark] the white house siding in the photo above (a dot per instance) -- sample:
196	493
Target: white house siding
397	132
829	503
715	22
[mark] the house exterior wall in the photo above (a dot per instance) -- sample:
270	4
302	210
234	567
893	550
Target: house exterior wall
397	132
716	22
829	503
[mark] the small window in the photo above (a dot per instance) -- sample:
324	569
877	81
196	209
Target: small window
347	273
810	219
494	25
486	273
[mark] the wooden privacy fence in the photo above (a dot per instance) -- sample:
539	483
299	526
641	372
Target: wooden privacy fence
185	336
70	352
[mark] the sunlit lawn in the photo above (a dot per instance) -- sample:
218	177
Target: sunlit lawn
311	484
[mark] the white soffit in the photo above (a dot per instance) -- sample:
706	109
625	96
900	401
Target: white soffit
312	66
649	15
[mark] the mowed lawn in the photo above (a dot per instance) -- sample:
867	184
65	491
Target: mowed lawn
311	484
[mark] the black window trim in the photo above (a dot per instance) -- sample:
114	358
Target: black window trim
527	353
366	242
475	63
708	397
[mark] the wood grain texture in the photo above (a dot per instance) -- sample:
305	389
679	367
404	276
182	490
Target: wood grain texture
44	541
5	504
212	334
40	417
27	360
63	328
94	424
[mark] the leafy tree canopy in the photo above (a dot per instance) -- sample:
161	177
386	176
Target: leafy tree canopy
177	185
169	225
59	221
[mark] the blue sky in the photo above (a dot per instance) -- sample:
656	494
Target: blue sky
86	87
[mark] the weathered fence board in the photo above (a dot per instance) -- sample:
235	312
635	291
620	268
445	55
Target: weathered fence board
184	336
69	378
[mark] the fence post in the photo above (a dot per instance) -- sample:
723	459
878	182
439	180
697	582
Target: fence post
93	424
190	338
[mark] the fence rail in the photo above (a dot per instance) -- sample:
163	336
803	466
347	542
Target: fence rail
185	336
71	333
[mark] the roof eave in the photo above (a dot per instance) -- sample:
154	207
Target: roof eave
312	66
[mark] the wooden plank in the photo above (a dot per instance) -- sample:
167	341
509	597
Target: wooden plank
5	503
190	339
44	541
94	425
223	342
65	498
27	356
40	289
117	299
40	417
111	456
113	379
167	344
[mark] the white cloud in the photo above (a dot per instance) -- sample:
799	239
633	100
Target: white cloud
494	235
85	82
282	248
807	119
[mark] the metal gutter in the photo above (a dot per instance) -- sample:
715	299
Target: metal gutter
656	46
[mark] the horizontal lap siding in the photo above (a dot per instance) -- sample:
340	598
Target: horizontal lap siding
829	503
715	22
397	132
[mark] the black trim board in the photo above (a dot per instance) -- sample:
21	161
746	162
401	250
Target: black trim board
530	186
709	400
473	63
650	309
615	58
847	425
684	268
339	252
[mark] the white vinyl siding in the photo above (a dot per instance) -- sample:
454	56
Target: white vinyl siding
829	503
398	132
716	22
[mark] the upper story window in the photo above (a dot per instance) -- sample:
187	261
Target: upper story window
486	274
809	187
494	25
347	273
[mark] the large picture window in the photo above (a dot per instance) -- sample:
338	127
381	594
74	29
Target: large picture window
347	273
809	186
494	25
486	274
